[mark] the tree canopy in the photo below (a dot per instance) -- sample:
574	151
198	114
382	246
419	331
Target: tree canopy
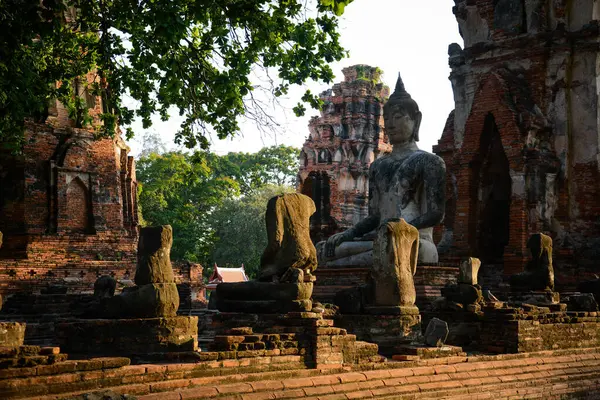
274	165
215	203
239	231
196	56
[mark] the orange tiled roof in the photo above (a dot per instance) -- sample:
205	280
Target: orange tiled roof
228	275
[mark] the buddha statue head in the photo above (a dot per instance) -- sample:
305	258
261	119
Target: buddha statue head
401	116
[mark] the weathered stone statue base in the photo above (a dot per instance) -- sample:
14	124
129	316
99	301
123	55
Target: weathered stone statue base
538	298
145	301
127	337
412	352
463	293
263	297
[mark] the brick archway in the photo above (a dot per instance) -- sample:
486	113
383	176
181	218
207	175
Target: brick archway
494	98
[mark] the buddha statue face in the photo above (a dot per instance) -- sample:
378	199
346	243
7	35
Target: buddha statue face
401	116
400	125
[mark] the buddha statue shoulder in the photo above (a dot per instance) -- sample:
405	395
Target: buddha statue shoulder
407	183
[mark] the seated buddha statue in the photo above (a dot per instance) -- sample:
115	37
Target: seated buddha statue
407	183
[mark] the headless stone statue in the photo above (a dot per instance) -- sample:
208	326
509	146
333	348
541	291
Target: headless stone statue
155	293
466	291
285	282
288	233
408	183
538	273
394	265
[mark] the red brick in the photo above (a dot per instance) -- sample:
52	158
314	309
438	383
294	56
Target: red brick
296	383
325	380
266	385
363	394
234	388
352	377
318	390
288	394
199	393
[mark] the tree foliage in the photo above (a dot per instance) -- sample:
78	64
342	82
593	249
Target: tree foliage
240	235
274	165
37	50
194	55
199	193
182	193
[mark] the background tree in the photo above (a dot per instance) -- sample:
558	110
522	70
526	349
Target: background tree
182	193
215	203
240	235
274	165
194	55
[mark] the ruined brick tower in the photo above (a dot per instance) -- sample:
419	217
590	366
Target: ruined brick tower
68	207
343	142
522	145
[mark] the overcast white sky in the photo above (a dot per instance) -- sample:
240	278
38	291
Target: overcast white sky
410	37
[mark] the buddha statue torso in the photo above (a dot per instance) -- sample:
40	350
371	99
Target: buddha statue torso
408	183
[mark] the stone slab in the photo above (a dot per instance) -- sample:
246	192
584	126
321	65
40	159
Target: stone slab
542	297
263	297
12	334
128	337
426	352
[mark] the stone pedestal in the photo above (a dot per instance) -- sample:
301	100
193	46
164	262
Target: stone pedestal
416	352
538	298
128	337
264	297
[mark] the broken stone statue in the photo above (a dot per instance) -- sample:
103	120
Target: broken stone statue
408	183
391	288
285	281
466	291
142	319
105	287
535	285
156	292
395	253
436	332
538	273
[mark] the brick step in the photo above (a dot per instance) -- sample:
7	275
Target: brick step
83	376
141	383
420	387
368	352
543	388
367	384
175	379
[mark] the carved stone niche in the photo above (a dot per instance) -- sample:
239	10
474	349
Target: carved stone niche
72	203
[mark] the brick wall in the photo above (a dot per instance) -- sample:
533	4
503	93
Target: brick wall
532	73
68	208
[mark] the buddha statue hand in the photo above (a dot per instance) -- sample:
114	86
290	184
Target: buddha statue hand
337	239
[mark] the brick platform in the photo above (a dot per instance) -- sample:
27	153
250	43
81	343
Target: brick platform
129	336
548	374
68	207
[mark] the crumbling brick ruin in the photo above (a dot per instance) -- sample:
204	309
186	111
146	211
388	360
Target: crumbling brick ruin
522	146
343	142
68	206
